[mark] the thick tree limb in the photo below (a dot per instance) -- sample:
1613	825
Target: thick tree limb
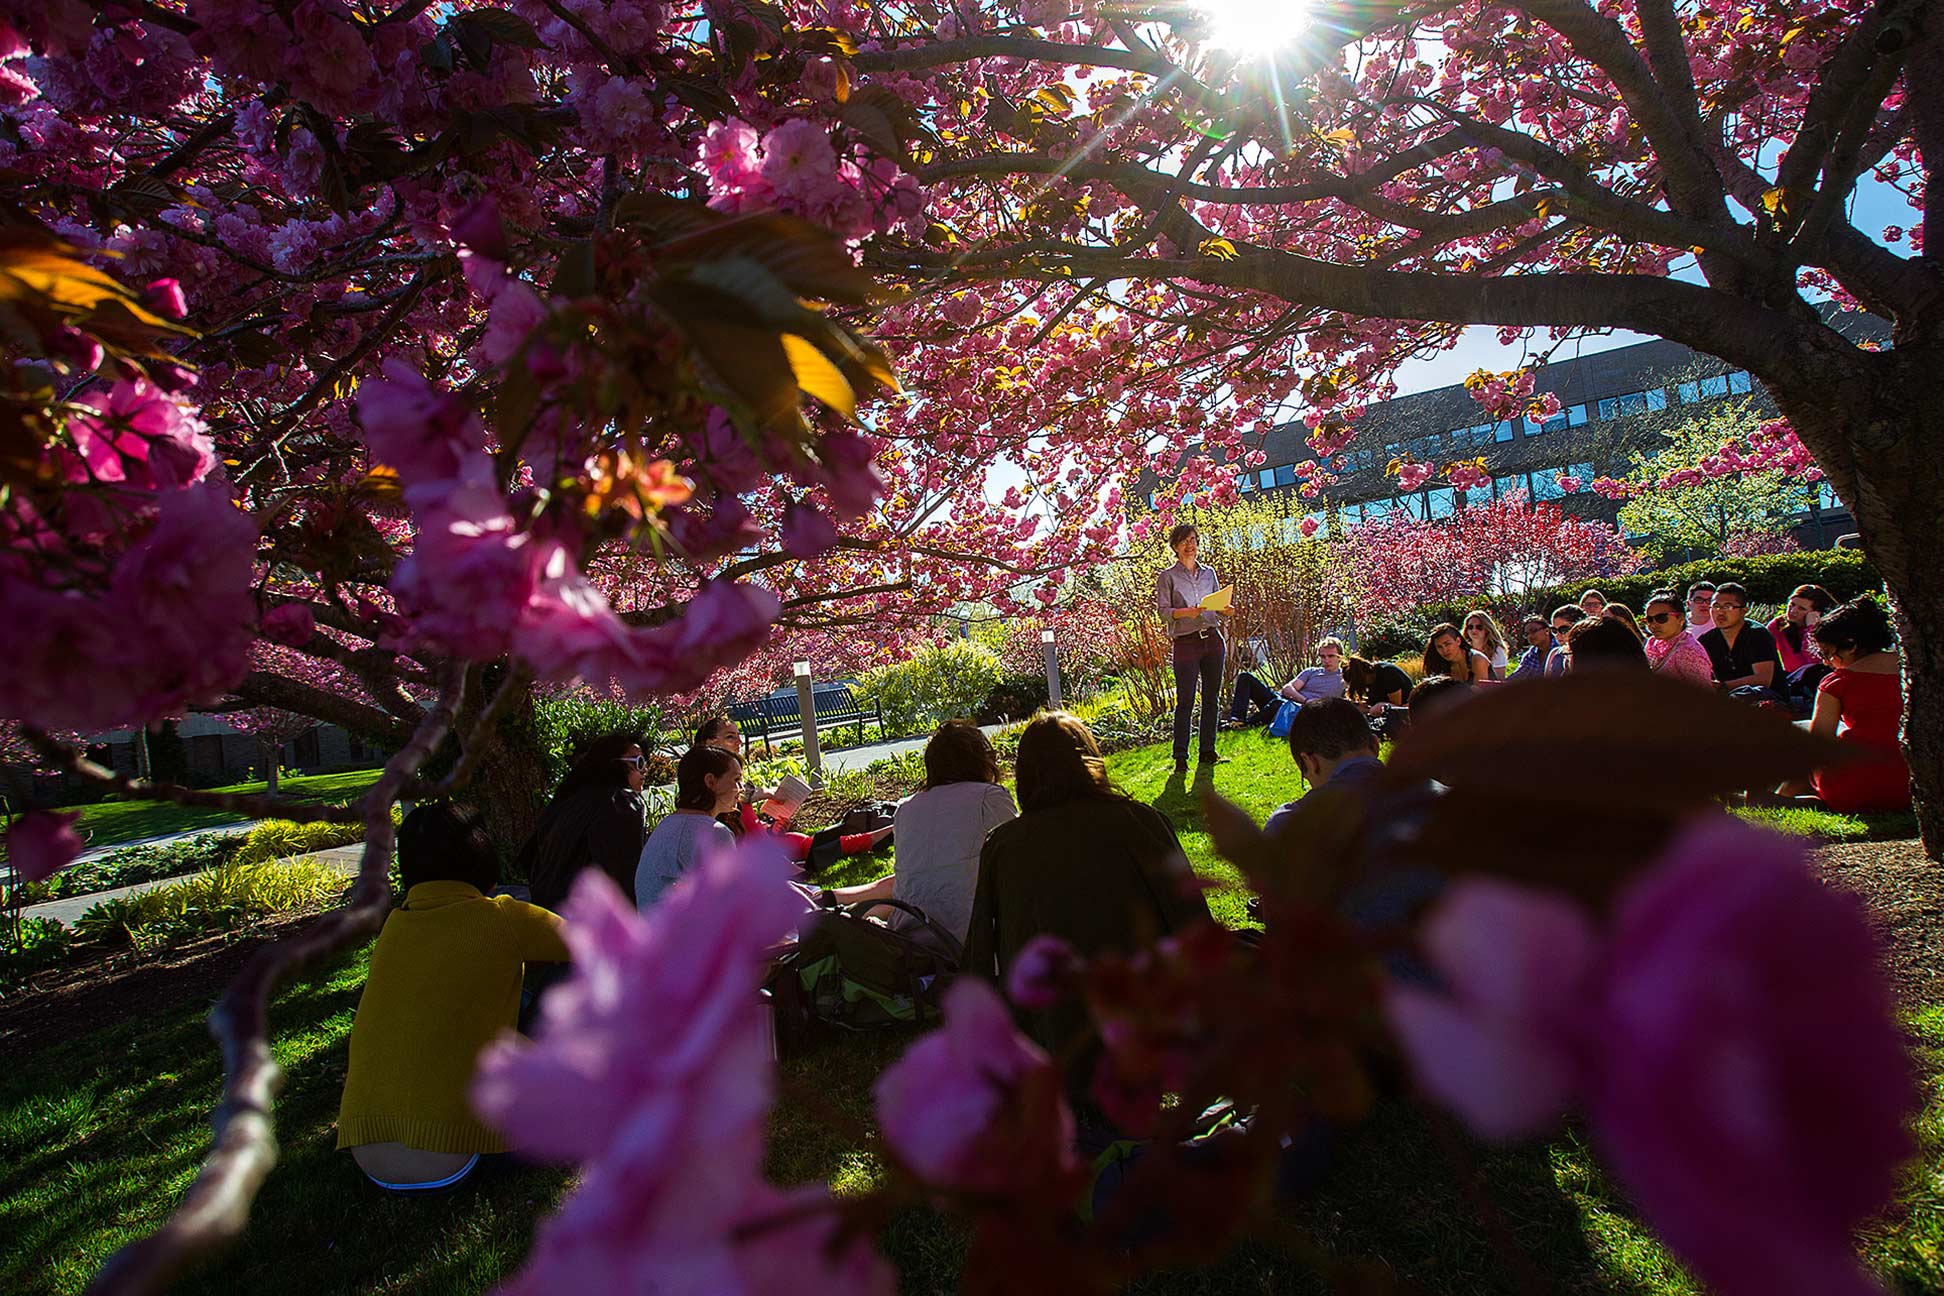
217	1204
265	688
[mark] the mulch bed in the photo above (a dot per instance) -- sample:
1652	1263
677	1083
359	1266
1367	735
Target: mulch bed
117	986
1905	894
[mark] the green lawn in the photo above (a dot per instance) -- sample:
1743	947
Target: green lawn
109	822
99	1134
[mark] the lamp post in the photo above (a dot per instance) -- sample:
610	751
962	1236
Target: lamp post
807	708
1052	670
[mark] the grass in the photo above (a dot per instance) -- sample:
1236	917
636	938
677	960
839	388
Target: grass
108	822
99	1135
1828	825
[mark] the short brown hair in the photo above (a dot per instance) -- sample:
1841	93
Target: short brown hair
697	765
1181	531
1605	639
1058	762
1329	728
959	753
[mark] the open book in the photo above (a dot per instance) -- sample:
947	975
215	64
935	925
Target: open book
791	792
1219	600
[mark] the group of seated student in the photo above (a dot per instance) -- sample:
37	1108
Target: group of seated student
1254	702
445	980
744	819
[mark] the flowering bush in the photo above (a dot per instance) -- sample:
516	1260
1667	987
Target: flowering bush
936	685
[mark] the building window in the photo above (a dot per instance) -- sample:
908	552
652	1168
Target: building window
1575	415
1657	399
1688	392
1624	406
1286	475
1246	482
1715	386
1267	477
1740	383
1826	497
1443	501
1507	484
1583	471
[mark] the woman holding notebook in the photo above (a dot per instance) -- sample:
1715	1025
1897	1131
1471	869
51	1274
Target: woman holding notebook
1193	603
778	805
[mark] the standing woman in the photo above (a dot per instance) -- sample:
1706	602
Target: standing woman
595	818
1196	636
1448	654
1794	641
1482	635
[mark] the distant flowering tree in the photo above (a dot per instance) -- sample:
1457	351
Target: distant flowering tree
1501	551
1724	473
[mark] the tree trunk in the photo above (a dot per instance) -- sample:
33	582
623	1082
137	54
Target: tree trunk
509	786
1879	436
272	759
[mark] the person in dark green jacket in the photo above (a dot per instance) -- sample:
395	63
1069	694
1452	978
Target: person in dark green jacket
1083	862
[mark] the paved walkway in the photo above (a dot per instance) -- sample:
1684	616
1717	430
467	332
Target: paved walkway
65	910
859	757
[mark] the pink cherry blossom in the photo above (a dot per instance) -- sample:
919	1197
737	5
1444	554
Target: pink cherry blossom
806	531
798	161
1499	1048
164	297
291	624
1754	1085
1042	970
1308	526
41	843
659	1046
949	1108
427	435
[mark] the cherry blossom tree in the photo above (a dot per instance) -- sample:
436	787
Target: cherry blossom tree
1311	215
1501	552
1683	498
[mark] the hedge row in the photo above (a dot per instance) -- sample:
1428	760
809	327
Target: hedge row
1845	573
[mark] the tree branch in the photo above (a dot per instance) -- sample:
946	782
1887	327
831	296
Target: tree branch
217	1204
266	688
71	762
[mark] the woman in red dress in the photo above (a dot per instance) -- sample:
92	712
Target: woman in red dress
1861	701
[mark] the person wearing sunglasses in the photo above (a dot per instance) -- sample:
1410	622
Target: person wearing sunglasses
1539	646
1672	649
596	818
1743	655
1564	618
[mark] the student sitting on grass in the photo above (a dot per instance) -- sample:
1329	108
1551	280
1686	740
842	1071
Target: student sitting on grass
1447	653
744	819
1084	862
444	981
1860	701
941	830
1321	681
708	783
1331	741
1743	655
1539	644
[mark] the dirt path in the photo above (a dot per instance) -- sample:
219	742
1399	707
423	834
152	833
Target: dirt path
1905	894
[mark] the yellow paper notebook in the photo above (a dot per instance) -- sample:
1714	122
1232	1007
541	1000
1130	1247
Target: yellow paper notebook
1219	600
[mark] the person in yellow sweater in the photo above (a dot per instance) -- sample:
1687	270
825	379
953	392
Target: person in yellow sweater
444	982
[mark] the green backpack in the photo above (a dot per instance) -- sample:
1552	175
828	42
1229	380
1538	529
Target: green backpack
859	973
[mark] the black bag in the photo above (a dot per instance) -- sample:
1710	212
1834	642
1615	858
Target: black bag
827	844
861	973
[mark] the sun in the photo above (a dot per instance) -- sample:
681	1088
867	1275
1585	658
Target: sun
1250	27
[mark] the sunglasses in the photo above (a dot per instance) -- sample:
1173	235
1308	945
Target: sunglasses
635	761
1656	618
1562	630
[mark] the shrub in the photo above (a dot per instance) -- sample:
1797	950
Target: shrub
937	685
563	725
132	865
282	839
222	899
43	943
1014	697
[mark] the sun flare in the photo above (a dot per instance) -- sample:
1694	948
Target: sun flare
1251	27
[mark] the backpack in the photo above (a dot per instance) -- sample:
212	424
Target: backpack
1285	716
860	973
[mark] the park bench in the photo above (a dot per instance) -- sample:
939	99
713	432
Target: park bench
781	714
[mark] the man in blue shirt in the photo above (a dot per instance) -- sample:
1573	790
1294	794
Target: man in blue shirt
1334	747
1532	662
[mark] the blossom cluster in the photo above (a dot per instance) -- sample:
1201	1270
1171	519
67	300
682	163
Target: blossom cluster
1772	447
1752	1103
